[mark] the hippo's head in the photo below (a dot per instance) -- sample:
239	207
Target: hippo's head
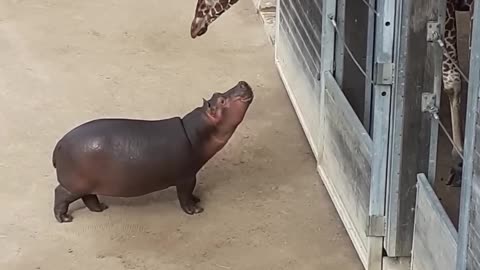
226	110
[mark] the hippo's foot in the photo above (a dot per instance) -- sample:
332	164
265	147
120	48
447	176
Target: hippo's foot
192	209
188	201
195	199
63	218
93	204
63	198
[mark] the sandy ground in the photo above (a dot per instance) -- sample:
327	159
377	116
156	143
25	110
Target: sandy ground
66	62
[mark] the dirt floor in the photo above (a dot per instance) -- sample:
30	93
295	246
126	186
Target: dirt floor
66	62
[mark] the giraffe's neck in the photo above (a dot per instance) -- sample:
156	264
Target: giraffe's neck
218	9
451	74
452	82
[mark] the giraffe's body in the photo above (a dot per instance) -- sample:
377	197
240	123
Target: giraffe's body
206	12
452	81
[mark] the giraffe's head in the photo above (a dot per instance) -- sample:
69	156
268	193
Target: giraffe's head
206	12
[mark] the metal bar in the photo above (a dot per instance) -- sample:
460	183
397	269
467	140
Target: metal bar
470	139
437	91
371	6
395	137
339	47
327	64
350	53
444	129
383	54
367	114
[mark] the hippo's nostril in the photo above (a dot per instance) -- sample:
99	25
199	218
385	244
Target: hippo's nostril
243	84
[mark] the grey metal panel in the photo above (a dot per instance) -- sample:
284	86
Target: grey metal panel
410	128
345	166
435	238
328	51
297	55
303	20
300	87
468	230
473	247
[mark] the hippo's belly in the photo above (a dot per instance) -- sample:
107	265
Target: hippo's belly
117	157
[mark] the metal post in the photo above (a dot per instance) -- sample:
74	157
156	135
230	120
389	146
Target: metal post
439	27
369	69
410	128
469	146
383	71
327	60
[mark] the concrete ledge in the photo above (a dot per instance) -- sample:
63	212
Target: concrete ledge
400	263
267	11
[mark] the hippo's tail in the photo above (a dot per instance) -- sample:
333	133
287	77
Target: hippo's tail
54	155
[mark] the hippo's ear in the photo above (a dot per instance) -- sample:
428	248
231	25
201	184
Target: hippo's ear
206	105
209	109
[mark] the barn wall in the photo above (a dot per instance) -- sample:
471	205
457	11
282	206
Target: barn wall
435	238
469	219
473	157
339	141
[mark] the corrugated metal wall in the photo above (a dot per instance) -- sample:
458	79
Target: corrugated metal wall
298	50
301	23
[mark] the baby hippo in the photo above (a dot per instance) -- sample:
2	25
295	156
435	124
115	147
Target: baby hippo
130	157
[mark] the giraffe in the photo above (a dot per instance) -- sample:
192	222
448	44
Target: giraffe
452	83
206	12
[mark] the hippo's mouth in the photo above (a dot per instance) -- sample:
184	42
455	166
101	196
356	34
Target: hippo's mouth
248	99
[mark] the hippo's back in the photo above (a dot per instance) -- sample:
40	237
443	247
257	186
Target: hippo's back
123	157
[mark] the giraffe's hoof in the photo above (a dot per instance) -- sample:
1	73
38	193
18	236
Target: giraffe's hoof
455	176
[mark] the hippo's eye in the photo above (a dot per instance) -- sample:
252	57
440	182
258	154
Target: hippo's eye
222	101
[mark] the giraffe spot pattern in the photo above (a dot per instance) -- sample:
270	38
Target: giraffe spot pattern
224	3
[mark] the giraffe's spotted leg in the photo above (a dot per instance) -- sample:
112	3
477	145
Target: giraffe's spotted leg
454	98
455	177
452	86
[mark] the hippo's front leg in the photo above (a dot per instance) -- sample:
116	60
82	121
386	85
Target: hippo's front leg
188	201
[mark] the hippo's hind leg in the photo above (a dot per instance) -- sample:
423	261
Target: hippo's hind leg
188	201
63	198
195	199
93	204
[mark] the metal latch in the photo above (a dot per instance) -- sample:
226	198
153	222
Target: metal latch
429	103
433	31
376	226
384	73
